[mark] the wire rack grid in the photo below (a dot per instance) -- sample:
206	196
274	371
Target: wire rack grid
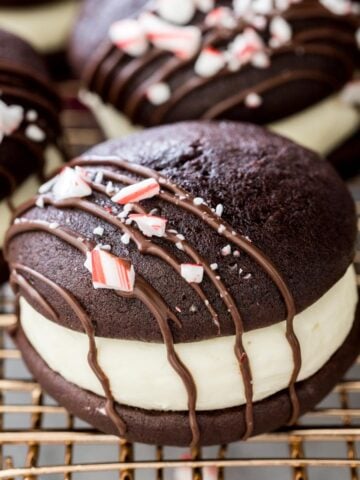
41	440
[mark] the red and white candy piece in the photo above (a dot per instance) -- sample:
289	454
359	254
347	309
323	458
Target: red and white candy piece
281	32
221	17
184	42
11	117
110	272
158	93
209	62
351	93
192	272
253	100
129	36
139	191
244	47
175	11
150	225
204	5
70	184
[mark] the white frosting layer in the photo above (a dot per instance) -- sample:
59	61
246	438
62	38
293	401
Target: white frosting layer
141	376
322	127
27	190
46	27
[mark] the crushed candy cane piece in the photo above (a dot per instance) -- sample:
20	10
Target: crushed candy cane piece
225	251
129	36
175	11
253	100
338	7
70	184
214	266
244	47
221	229
204	5
125	239
351	93
219	209
40	202
184	42
192	272
47	186
158	93
260	60
138	191
150	225
111	272
221	17
281	32
31	115
11	117
179	246
98	231
209	62
198	201
35	133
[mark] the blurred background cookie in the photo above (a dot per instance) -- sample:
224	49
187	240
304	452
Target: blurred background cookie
277	63
45	24
30	132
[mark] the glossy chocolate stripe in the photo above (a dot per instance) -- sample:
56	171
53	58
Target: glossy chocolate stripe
143	292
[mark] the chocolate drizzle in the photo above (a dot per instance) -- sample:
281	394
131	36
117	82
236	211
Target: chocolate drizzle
146	293
113	75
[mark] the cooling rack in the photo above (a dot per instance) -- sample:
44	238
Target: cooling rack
40	440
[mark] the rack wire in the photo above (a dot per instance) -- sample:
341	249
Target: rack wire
40	440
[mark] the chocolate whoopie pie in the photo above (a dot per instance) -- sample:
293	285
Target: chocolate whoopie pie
30	132
189	284
45	24
149	63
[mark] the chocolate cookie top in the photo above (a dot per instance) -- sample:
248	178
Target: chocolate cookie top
167	61
201	224
29	112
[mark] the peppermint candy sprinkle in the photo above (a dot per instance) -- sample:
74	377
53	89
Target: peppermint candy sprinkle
139	191
110	272
209	62
70	184
150	225
158	93
253	100
11	117
184	42
175	11
281	32
192	272
129	36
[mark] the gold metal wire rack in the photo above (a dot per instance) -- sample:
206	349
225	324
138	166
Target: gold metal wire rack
41	440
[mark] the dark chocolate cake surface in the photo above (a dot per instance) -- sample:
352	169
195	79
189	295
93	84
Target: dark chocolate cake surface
284	199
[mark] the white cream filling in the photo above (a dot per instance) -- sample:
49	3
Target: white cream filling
27	189
322	127
46	27
141	376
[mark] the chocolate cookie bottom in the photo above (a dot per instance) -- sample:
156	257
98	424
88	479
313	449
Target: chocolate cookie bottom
172	428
